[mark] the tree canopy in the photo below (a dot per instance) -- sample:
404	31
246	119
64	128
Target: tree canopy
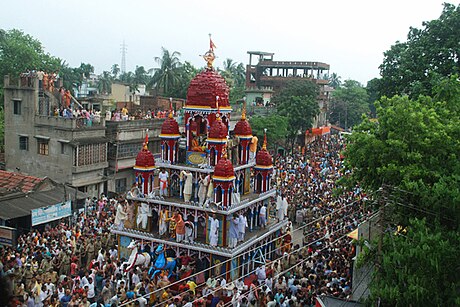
429	54
276	126
414	149
20	52
297	101
348	103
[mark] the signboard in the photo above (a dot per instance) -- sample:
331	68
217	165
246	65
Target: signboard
51	213
7	236
196	158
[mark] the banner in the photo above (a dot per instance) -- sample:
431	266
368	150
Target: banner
51	213
7	236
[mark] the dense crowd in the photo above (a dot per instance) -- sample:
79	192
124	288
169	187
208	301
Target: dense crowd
77	263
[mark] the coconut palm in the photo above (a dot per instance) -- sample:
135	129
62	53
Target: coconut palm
167	75
115	71
104	83
334	80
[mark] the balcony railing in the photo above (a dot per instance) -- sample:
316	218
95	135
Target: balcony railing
69	123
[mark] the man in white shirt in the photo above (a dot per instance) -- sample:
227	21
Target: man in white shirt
263	216
91	290
213	230
163	177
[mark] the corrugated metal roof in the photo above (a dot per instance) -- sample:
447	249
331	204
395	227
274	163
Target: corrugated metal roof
22	205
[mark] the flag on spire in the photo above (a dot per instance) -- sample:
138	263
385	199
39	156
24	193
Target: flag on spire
211	43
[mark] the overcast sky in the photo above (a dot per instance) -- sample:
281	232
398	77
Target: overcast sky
350	35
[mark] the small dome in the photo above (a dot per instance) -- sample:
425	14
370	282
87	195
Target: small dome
170	127
243	128
145	160
218	130
224	170
264	159
204	88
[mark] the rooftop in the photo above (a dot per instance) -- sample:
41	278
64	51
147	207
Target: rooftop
11	182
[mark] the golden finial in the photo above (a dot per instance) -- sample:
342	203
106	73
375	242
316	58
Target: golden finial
264	146
209	56
224	151
243	111
170	108
146	141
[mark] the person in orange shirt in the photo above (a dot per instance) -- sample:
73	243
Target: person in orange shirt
45	81
180	226
253	148
196	146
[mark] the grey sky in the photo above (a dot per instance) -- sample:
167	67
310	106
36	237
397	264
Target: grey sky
350	35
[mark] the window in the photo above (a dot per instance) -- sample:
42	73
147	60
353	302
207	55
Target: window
90	154
62	148
23	143
42	147
120	185
17	107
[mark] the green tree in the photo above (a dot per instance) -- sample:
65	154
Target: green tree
235	75
115	70
277	128
20	52
429	54
186	73
373	92
104	83
348	103
413	150
167	75
334	80
298	102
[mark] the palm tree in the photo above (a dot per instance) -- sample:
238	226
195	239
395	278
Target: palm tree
141	75
104	84
167	75
86	69
334	80
115	71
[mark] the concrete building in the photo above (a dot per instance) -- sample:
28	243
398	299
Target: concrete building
69	150
125	141
264	77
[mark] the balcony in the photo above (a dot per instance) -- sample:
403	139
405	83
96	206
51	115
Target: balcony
199	244
59	122
245	202
89	167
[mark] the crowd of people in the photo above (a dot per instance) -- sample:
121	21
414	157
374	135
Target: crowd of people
77	263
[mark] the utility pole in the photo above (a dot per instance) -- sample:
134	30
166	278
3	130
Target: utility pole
382	205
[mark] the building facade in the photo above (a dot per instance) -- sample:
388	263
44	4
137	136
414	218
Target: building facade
264	77
89	155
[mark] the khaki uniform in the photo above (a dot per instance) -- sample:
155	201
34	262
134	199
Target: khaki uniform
90	253
65	267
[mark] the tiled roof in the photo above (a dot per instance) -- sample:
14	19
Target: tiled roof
15	182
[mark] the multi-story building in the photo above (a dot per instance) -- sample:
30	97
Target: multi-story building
125	141
94	156
41	144
266	76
